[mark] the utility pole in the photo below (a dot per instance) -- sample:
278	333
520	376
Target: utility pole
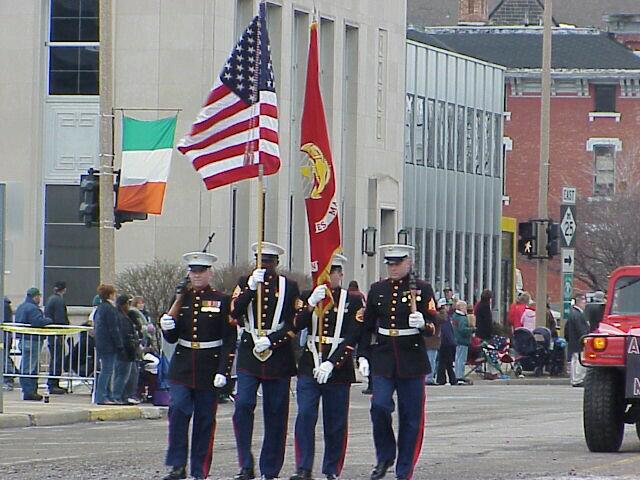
543	181
107	232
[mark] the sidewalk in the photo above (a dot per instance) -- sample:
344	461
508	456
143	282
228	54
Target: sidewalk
70	408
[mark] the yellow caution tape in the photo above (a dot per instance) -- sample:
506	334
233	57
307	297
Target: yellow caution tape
42	331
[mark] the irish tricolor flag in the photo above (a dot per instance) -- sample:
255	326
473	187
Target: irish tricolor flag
146	157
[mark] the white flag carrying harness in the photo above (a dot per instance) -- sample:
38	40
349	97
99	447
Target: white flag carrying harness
275	322
336	339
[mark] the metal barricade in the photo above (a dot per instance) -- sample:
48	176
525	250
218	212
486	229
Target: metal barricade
69	354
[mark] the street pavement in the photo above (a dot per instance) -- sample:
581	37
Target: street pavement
484	431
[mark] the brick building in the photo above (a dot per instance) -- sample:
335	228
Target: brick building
594	109
582	13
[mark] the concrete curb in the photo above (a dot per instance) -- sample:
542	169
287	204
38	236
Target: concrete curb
95	414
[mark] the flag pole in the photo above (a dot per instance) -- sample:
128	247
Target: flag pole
259	248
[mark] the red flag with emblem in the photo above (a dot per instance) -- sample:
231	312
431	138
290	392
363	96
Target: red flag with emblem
318	173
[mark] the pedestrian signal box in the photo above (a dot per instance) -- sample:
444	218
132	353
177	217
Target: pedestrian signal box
553	239
527	244
89	212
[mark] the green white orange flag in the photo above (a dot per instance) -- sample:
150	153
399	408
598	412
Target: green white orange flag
146	157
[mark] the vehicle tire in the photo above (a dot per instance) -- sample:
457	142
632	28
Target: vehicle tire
603	409
638	429
517	370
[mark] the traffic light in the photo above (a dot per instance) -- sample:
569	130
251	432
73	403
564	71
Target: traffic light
120	217
527	239
553	239
89	194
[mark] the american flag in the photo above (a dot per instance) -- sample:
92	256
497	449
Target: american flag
237	128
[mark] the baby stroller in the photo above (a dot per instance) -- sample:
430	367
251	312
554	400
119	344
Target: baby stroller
555	365
532	350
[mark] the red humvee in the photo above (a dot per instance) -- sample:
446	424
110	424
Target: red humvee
612	385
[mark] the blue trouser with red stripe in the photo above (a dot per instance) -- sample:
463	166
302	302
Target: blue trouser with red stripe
335	419
201	404
275	403
411	409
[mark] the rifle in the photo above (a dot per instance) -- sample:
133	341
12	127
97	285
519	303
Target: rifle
210	239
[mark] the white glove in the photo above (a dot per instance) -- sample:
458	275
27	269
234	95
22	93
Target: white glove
323	372
256	277
167	323
262	344
416	320
219	381
363	366
319	293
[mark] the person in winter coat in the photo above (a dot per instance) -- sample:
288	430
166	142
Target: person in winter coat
433	343
29	313
463	332
126	360
446	353
108	343
484	318
577	326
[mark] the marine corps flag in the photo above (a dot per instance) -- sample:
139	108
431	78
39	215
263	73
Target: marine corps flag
322	208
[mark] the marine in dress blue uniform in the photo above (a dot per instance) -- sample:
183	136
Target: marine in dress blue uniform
200	323
325	371
265	357
393	349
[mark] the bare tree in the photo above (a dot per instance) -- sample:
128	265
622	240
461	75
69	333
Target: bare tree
608	237
155	281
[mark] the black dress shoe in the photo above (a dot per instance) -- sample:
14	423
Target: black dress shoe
32	396
380	470
176	473
245	474
301	474
331	476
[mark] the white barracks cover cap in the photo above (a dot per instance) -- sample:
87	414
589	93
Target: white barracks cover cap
395	253
199	259
268	248
339	260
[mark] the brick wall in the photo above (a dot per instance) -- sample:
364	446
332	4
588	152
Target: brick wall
571	163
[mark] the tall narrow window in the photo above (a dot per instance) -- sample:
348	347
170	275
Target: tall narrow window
74	37
431	133
460	133
408	130
604	170
441	118
605	98
419	242
418	120
451	131
469	137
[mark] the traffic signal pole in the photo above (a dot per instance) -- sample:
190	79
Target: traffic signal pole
543	181
107	231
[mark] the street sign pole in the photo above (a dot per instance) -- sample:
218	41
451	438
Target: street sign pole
567	239
543	178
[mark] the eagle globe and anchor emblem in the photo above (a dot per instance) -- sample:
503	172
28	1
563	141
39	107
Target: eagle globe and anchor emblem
317	173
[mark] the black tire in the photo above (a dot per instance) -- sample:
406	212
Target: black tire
638	429
603	409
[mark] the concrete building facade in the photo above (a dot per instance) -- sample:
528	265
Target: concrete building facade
453	169
166	56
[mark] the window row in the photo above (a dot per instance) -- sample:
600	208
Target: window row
465	262
454	137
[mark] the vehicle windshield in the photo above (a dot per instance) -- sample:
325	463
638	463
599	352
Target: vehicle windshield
626	296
